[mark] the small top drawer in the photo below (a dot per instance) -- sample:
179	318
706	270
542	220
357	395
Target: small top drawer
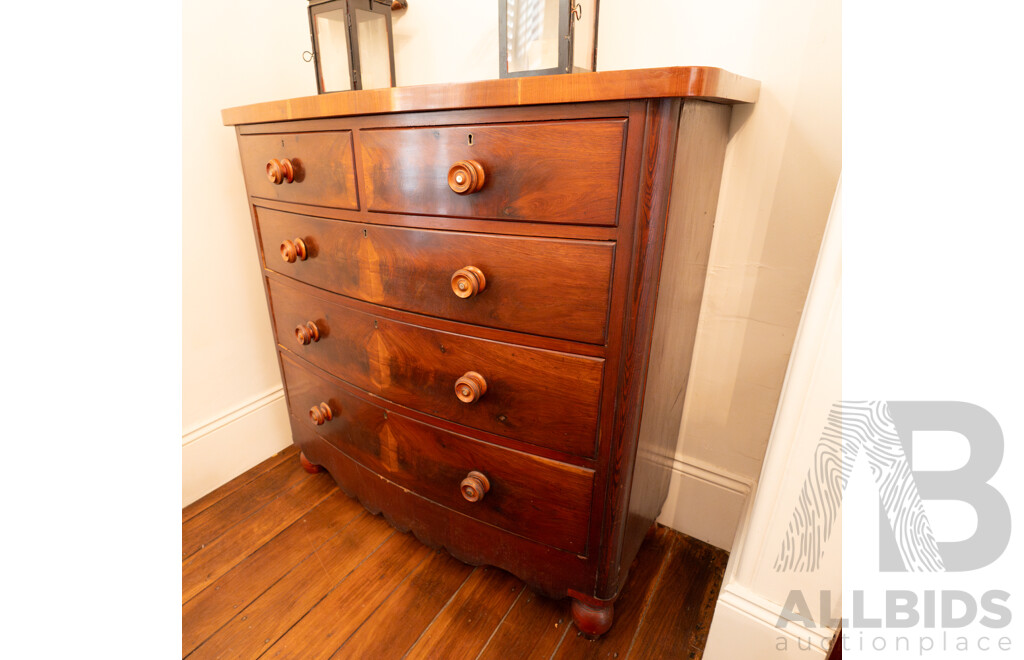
558	171
309	168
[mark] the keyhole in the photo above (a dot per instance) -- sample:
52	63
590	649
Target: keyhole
470	139
364	233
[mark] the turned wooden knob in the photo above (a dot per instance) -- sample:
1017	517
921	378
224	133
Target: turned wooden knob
280	171
320	414
470	387
466	176
307	333
468	281
293	249
475	486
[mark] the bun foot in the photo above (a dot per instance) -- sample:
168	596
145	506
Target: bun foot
307	466
590	620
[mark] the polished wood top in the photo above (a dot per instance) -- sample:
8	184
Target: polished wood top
707	83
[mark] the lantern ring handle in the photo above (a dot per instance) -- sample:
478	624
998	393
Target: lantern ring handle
308	56
577	11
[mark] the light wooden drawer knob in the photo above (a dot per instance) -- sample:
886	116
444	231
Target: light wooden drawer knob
468	281
307	333
294	249
475	486
280	171
470	387
466	177
321	413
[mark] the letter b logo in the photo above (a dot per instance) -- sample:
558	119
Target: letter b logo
967	484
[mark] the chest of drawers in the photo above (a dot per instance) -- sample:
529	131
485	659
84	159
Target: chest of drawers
485	297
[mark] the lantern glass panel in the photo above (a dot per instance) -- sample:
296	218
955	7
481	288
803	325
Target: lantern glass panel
583	34
374	58
533	37
331	29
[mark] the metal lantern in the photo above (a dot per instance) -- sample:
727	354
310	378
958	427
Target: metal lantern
352	44
542	37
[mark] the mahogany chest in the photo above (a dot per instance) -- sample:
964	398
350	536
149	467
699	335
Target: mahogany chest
485	297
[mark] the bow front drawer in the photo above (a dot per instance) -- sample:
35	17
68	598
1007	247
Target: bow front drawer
537	498
309	168
551	287
561	171
546	398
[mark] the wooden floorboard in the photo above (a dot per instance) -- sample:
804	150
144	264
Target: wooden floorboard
533	628
326	627
415	603
265	620
279	563
208	500
220	601
631	605
679	601
211	523
221	554
462	628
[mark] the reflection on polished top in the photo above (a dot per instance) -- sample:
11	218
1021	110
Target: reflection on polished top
699	82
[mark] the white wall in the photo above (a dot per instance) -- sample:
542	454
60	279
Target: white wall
745	623
780	173
233	415
446	41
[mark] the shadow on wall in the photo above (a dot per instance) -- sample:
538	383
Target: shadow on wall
766	242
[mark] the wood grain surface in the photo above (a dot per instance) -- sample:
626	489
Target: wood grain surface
559	172
356	588
249	476
325	169
546	259
220	601
546	398
542	286
708	83
534	497
242	539
547	569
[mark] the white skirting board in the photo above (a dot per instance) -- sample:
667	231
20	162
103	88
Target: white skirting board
704	503
752	623
214	453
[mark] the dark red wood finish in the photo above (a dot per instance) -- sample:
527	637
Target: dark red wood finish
542	286
564	172
307	465
543	567
324	169
546	398
692	82
539	274
534	497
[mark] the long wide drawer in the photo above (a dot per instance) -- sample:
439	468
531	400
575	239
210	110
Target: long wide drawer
551	287
537	498
558	171
311	168
546	398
